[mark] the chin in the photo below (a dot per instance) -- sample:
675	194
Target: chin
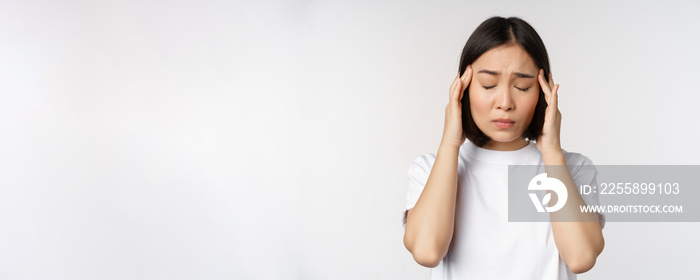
504	137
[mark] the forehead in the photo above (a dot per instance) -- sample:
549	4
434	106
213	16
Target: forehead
507	58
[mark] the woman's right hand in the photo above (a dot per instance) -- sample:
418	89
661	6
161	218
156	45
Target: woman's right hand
453	133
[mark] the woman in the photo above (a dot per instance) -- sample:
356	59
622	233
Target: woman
456	215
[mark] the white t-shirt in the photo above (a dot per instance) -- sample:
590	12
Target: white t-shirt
484	244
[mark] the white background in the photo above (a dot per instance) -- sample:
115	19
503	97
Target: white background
271	139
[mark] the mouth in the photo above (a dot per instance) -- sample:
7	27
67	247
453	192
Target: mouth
503	123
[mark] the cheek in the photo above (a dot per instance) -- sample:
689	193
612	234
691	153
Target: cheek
477	104
528	105
531	102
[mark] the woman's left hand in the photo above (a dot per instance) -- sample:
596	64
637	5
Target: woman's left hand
549	141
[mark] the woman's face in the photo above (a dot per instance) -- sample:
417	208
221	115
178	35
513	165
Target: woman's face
503	94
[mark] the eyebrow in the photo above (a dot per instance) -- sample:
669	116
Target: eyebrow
520	75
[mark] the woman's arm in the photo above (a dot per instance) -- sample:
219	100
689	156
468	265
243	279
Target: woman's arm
578	235
580	240
430	223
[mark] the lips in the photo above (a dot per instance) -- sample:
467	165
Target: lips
503	123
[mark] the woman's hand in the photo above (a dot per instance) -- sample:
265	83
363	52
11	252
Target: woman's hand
549	141
453	133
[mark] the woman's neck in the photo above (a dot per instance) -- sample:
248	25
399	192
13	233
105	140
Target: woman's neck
514	145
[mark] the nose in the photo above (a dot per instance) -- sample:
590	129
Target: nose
505	102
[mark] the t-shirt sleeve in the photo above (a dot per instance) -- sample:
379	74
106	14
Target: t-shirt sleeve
586	173
418	173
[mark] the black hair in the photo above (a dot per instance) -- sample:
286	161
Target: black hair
494	32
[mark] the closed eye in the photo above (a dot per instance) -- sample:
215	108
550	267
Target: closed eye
522	89
488	87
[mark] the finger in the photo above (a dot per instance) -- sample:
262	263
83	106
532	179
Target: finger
466	79
453	88
555	96
551	82
454	83
543	84
466	75
466	69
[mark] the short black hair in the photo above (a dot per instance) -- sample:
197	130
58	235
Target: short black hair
494	32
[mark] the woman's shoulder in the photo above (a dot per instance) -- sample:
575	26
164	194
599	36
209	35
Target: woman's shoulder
424	161
574	158
579	164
